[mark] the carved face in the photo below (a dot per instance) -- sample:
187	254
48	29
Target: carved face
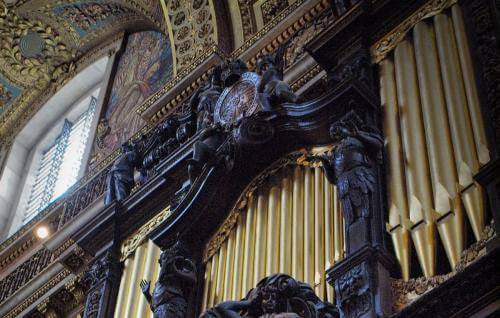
340	131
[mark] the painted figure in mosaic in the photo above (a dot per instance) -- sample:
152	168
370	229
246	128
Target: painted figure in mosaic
177	277
203	101
274	91
120	180
278	295
349	166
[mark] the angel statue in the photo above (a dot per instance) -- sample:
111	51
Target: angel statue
274	91
204	99
276	296
177	277
349	166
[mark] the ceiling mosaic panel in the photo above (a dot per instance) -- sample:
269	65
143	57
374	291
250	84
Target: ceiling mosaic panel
8	94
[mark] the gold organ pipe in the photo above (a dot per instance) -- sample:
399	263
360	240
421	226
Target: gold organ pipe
319	234
417	173
298	223
268	228
286	224
398	224
207	283
456	100
220	274
309	226
122	293
228	278
338	227
147	274
440	149
213	281
260	235
473	197
248	264
134	289
273	231
238	257
470	85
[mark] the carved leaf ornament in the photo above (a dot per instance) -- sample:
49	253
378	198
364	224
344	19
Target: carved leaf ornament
31	53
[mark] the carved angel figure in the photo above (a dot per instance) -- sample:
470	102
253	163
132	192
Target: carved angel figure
275	296
349	167
204	99
274	91
177	277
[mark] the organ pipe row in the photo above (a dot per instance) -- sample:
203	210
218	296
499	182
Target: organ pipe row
435	141
143	264
292	224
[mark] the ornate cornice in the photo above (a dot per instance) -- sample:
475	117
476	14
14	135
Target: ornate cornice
133	242
385	45
59	277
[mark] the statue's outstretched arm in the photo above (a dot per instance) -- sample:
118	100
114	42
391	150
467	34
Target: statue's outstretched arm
371	140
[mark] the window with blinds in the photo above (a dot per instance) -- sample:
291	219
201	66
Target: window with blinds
60	163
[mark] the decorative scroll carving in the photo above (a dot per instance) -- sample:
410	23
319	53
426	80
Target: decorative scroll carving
277	295
353	292
100	282
177	277
385	45
130	245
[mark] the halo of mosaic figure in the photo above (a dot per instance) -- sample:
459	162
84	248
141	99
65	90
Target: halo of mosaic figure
232	94
278	295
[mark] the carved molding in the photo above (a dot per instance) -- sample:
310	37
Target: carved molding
406	292
38	293
385	45
131	244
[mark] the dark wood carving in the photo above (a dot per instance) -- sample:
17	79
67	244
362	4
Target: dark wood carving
101	283
277	295
176	279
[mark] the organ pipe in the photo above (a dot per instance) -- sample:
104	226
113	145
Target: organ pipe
419	191
435	141
289	224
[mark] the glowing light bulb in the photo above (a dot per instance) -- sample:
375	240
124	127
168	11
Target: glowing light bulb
42	232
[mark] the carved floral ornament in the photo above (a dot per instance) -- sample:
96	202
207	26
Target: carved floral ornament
32	53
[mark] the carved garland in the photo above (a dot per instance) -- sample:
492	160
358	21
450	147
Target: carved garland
131	244
385	45
406	292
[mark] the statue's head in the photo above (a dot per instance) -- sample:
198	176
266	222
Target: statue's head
232	71
168	255
275	292
264	63
339	131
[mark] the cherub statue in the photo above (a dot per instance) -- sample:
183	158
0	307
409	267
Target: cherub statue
272	88
177	277
277	296
204	99
120	180
232	70
350	166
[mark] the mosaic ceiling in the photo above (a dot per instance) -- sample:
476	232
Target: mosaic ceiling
43	43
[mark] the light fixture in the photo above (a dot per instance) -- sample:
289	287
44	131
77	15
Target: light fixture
42	232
